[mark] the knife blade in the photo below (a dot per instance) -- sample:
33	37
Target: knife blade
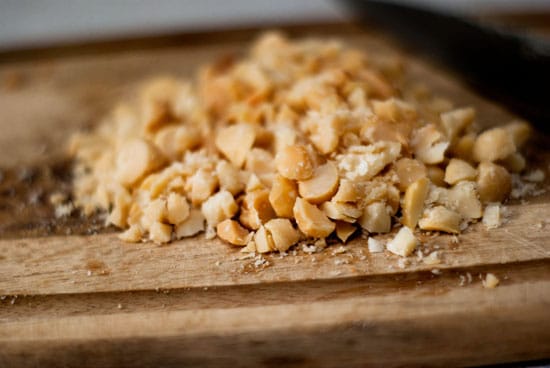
510	67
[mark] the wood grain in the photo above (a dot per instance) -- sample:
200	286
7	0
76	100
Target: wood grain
91	300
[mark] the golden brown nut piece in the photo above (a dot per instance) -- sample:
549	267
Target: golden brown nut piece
322	185
232	232
493	182
135	159
294	162
311	220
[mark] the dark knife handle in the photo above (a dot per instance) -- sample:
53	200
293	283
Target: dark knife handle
507	66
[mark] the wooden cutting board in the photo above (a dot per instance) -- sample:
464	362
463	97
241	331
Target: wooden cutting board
74	295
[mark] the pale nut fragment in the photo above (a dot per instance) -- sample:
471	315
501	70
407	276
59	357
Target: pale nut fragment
440	218
201	186
154	211
311	220
436	175
282	196
256	209
344	230
429	145
458	170
364	162
348	191
463	147
235	142
408	171
121	208
456	121
135	159
491	281
283	234
219	207
520	132
493	216
193	225
515	162
376	218
294	162
263	241
325	130
132	235
229	177
177	208
232	232
493	144
160	233
494	183
404	243
348	212
374	245
260	162
463	198
394	109
174	140
322	185
413	202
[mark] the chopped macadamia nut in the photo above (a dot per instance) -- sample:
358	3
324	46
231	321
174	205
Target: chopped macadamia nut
520	132
364	162
232	232
282	196
290	142
464	146
235	142
219	207
375	246
408	171
311	220
490	281
394	110
193	225
177	208
494	144
283	234
294	162
404	243
341	211
436	176
160	233
440	219
428	144
131	235
494	182
135	159
263	241
458	170
348	191
322	185
173	141
229	177
515	162
492	216
344	230
201	186
463	198
456	121
376	218
413	202
256	209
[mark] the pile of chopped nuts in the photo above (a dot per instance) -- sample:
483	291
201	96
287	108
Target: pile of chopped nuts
298	140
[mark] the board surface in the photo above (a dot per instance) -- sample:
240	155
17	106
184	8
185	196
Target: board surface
70	298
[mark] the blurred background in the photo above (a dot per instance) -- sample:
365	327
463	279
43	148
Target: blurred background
40	23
